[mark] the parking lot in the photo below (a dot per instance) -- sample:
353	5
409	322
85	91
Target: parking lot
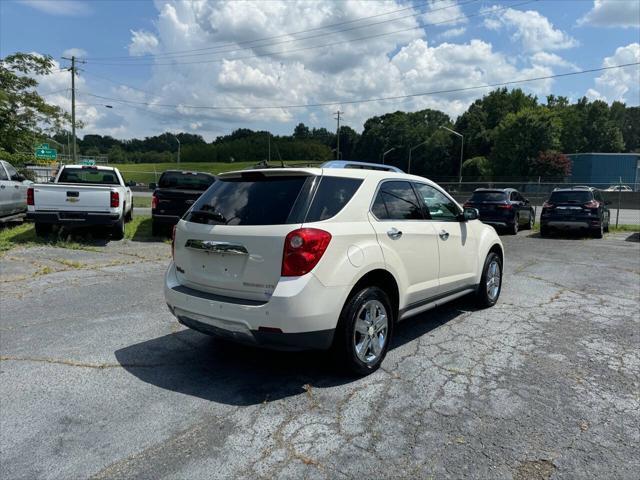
100	381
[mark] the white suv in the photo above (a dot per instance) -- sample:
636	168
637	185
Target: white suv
332	257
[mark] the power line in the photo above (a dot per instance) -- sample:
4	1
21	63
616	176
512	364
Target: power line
233	44
342	42
370	100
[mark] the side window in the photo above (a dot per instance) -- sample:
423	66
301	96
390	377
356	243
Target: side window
12	172
332	195
598	195
439	206
3	175
514	197
396	201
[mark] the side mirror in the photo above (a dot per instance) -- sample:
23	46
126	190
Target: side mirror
470	214
131	183
18	178
152	186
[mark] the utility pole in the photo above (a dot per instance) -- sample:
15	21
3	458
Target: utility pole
177	140
269	137
74	72
338	113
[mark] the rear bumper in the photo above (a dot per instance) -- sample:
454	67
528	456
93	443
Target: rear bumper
74	218
302	314
572	223
165	219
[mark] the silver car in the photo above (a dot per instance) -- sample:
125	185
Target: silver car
13	191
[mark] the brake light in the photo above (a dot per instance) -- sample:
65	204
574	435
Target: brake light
115	199
467	204
547	205
303	249
592	204
505	206
30	197
173	242
154	202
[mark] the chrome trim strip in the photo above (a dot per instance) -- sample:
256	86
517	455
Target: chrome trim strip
216	247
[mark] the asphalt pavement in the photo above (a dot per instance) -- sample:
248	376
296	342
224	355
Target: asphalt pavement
99	380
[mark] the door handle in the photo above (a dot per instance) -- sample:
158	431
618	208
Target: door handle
443	234
394	233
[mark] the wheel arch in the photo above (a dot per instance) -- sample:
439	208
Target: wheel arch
383	279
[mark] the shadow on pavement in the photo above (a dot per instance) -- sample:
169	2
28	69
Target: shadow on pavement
634	237
195	364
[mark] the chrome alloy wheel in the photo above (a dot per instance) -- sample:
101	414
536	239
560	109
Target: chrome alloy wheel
493	280
371	331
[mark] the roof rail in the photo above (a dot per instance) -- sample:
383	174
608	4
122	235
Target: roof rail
362	165
575	187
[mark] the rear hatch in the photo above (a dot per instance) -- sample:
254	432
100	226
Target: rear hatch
490	203
60	197
231	241
177	191
571	204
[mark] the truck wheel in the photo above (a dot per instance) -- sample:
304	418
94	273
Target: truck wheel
117	233
43	229
598	232
490	282
364	331
129	216
513	229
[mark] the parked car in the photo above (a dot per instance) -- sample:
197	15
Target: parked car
81	195
332	257
504	208
575	208
174	194
619	188
13	192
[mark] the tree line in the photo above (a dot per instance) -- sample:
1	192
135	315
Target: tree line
507	133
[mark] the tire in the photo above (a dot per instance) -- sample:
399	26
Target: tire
606	227
355	330
487	295
513	229
532	221
117	231
129	215
156	229
43	229
598	232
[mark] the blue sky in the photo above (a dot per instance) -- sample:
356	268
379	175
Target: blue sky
479	42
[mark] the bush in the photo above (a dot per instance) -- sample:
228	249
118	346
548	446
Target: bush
550	164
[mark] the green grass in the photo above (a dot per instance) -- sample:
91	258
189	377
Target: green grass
150	172
24	235
143	202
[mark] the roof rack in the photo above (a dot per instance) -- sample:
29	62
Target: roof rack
361	165
575	187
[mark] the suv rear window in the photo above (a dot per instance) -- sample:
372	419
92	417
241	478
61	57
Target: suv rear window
488	197
332	195
186	180
248	200
88	175
574	196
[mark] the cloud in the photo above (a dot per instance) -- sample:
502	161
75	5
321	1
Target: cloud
142	42
622	84
533	30
551	59
75	52
59	7
611	13
443	11
452	33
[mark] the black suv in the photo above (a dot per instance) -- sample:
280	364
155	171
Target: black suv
174	194
504	207
574	209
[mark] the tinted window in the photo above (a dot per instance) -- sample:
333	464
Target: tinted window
575	196
3	175
488	197
186	180
88	175
332	195
439	206
12	172
249	200
396	201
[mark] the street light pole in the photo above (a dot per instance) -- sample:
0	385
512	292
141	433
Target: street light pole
385	153
461	150
411	149
177	140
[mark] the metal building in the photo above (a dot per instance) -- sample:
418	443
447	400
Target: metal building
605	169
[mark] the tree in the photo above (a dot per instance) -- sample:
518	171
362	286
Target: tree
601	132
476	168
24	115
301	132
631	129
550	164
520	137
348	141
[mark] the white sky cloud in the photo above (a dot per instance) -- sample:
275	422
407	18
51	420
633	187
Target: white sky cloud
533	30
59	7
453	33
142	42
621	84
443	11
551	59
77	52
613	13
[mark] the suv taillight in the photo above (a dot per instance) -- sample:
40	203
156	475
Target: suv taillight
547	205
303	249
30	198
173	242
154	202
467	204
505	206
115	199
592	204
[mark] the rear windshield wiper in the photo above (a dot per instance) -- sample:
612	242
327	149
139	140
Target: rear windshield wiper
210	214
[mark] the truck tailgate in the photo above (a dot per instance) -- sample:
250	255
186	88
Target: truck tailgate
62	197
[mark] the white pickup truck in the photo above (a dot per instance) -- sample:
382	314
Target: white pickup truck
81	195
